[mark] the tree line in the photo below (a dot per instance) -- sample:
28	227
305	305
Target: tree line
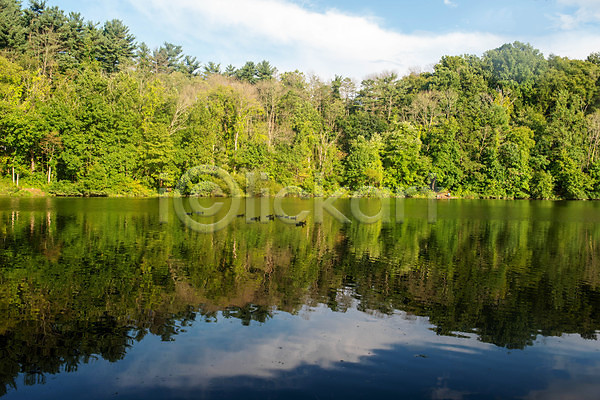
86	110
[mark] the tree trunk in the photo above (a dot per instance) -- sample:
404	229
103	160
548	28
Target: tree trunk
49	174
13	175
271	125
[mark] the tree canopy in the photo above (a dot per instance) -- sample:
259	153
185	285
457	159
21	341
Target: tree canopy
87	110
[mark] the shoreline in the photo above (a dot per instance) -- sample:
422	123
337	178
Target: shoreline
34	193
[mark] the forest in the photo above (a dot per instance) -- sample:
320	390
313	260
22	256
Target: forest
86	110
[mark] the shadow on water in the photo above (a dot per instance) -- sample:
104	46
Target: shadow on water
92	279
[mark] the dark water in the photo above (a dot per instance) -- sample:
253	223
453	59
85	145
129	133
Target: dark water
460	300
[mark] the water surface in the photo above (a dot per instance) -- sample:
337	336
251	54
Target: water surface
109	298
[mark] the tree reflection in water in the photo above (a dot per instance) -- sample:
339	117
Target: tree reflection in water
79	282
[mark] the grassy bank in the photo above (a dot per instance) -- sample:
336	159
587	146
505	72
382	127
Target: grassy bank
7	188
68	189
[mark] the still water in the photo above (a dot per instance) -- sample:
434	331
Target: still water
117	298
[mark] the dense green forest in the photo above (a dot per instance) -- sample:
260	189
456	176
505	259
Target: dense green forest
86	110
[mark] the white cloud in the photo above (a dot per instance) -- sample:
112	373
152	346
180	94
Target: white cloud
579	359
449	3
293	37
585	11
322	338
323	341
574	44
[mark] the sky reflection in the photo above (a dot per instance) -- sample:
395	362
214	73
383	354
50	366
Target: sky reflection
353	354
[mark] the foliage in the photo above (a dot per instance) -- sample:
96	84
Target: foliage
86	104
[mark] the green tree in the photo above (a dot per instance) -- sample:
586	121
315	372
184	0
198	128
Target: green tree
265	71
248	73
12	29
571	181
404	165
514	155
363	164
514	64
212	68
117	47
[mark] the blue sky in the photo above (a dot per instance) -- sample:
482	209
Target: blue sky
351	37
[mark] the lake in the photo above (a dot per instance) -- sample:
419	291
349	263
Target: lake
459	299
